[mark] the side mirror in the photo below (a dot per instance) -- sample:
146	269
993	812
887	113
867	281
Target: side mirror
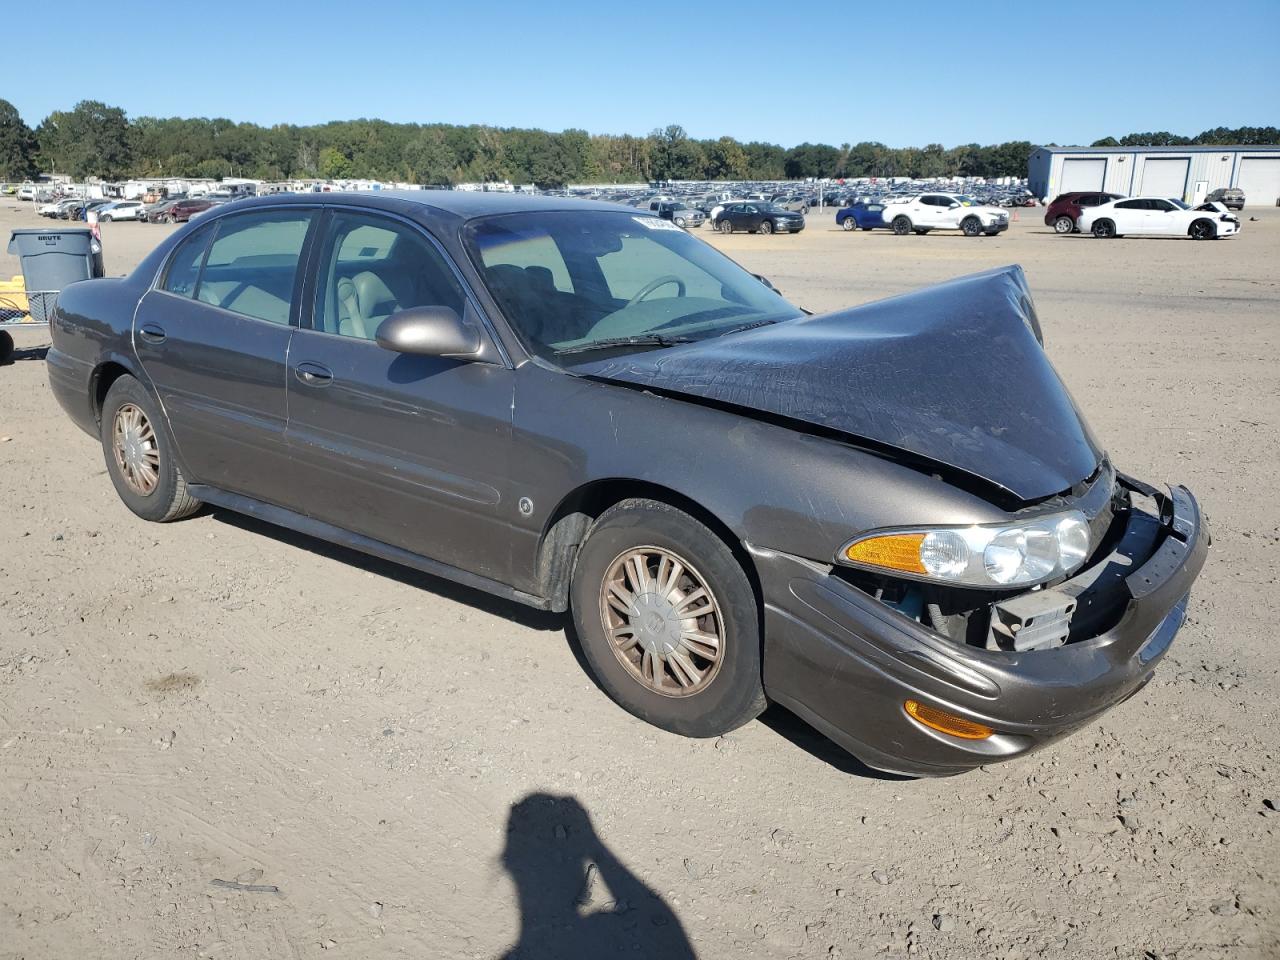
429	332
954	205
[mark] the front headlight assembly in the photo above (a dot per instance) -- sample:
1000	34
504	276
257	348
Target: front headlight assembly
991	557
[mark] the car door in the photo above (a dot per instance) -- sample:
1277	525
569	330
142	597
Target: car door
1129	216
931	211
751	217
1163	219
410	450
213	338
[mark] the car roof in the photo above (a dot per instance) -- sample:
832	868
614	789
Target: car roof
464	205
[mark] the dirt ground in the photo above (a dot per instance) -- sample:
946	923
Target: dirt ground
401	767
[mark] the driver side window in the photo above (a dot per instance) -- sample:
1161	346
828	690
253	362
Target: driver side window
371	268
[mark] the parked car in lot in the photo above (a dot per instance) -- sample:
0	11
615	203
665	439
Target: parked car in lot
1230	197
156	212
1157	217
585	409
183	210
794	203
944	211
758	216
681	214
120	210
1064	211
861	216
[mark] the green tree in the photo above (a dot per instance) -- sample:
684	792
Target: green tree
334	164
93	139
726	160
17	145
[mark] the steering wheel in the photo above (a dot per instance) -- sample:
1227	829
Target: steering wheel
654	284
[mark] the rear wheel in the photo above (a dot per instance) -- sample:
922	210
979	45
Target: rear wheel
139	454
766	226
1063	224
6	346
668	620
849	223
1104	229
105	218
725	226
1203	230
901	225
971	226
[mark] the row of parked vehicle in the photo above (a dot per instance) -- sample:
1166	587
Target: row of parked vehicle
1110	215
170	210
925	212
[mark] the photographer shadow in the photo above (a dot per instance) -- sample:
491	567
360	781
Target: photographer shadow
576	898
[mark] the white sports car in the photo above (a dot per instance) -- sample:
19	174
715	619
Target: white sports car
1159	217
944	211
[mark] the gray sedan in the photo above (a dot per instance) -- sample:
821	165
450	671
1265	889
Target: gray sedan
892	519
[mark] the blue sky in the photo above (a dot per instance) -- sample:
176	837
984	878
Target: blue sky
1066	72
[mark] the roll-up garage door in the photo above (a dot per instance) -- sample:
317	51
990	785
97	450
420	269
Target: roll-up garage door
1164	177
1260	180
1080	174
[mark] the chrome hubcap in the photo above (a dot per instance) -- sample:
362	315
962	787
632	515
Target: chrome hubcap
133	441
662	621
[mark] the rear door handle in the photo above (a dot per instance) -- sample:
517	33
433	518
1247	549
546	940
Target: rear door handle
151	333
313	374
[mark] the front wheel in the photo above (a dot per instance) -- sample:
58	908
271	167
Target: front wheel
6	346
139	455
901	226
849	223
680	222
766	226
668	620
971	226
1104	229
1063	224
1203	230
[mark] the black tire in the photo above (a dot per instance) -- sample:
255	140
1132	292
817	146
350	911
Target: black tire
724	226
1104	229
849	223
1202	230
1064	224
106	218
734	694
6	347
766	227
170	498
901	225
971	226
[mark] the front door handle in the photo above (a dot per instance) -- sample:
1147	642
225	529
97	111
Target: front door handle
313	374
151	333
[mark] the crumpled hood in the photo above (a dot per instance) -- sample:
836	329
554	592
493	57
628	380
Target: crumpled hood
954	373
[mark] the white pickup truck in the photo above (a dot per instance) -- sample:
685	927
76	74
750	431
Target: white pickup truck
944	211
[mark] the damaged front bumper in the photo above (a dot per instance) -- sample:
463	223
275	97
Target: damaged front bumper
847	663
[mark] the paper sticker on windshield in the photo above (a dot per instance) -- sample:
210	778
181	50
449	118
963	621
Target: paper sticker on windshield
654	223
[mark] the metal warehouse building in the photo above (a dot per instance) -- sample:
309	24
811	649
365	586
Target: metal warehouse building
1188	172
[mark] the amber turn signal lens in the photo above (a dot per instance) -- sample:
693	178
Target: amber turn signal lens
947	722
896	551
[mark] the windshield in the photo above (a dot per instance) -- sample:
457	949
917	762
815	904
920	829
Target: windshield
967	200
568	281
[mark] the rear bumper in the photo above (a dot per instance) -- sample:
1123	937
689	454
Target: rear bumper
846	663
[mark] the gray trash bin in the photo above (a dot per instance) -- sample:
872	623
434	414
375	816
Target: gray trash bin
52	260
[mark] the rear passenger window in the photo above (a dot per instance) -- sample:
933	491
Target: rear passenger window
252	264
1132	205
184	268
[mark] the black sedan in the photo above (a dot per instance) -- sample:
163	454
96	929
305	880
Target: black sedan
897	525
756	216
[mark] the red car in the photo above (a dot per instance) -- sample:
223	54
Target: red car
1065	209
183	210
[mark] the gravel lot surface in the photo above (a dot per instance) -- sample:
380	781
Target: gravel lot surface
388	765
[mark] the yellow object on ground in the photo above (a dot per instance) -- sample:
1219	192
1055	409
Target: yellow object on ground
13	301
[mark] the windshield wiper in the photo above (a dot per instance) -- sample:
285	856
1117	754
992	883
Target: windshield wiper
647	340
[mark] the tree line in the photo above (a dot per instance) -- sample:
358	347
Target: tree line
94	139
